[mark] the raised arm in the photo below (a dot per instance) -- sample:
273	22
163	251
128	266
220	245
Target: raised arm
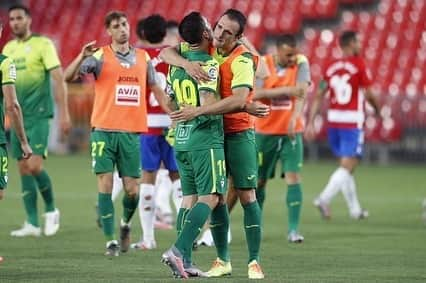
72	71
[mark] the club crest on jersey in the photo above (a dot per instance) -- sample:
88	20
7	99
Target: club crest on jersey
128	95
125	65
212	73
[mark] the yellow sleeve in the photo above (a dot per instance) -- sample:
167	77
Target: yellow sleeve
183	47
7	48
301	59
212	68
49	55
243	72
8	72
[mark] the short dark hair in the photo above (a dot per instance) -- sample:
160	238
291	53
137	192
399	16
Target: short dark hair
20	7
238	17
152	28
347	37
191	28
113	15
287	39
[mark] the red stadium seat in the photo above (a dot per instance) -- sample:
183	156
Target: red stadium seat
393	36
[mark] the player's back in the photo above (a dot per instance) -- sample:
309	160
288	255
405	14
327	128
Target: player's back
205	131
345	78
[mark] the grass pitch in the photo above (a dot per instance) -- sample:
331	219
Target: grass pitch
390	246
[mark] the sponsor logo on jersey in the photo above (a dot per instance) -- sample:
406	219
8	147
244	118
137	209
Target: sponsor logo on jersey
12	72
127	95
127	79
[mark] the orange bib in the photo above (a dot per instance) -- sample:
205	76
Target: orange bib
234	122
281	108
120	94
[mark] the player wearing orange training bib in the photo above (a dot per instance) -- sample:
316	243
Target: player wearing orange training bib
279	136
119	115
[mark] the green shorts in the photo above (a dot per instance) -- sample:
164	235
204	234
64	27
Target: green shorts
202	172
3	166
273	148
37	132
241	159
115	149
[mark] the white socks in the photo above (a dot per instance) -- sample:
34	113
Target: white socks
163	189
147	211
117	186
342	179
334	185
349	192
177	194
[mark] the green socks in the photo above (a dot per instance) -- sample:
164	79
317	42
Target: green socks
29	196
180	219
260	196
253	229
129	206
192	227
106	209
219	226
45	188
294	204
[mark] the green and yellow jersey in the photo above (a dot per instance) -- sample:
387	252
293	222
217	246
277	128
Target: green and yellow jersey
34	58
243	67
206	131
8	76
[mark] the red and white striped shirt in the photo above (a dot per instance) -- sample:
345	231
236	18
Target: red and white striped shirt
345	78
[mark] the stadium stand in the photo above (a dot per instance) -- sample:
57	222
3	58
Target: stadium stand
393	35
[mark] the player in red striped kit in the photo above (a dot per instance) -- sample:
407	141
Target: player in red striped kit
154	147
348	81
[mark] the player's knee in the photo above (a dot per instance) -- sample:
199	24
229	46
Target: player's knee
247	196
292	178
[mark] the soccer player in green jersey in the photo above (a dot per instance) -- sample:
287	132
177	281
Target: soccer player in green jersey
9	102
237	69
199	148
8	97
37	65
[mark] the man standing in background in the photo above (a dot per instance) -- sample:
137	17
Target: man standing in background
37	66
279	135
344	78
119	115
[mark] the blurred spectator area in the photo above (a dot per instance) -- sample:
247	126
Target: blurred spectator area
392	32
